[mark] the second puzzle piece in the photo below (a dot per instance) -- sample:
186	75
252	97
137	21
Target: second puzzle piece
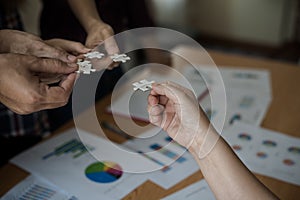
143	85
120	58
94	54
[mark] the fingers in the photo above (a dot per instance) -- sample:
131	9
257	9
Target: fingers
153	100
168	91
69	46
111	46
44	50
156	114
68	83
51	97
52	66
110	42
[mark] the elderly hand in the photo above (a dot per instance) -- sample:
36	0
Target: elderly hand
21	89
176	110
18	42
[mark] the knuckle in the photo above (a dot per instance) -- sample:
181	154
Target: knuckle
39	46
78	44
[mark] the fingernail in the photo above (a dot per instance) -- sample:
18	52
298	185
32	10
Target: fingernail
71	58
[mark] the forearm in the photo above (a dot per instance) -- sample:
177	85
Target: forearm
226	174
86	12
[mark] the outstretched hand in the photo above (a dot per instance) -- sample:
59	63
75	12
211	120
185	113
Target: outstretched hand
176	110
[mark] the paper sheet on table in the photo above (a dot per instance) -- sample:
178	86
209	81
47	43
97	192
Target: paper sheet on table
248	93
196	191
179	164
266	152
36	187
64	161
242	105
233	78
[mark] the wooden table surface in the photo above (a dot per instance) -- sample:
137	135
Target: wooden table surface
283	116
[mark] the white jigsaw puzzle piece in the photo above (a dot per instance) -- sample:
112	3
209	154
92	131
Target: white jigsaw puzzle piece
94	54
120	58
143	85
85	67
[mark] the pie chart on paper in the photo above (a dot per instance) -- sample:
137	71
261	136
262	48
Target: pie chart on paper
103	172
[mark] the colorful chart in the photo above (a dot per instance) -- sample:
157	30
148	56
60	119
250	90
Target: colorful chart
74	147
169	139
237	147
234	118
103	172
246	102
269	143
245	136
294	150
261	154
288	162
210	113
167	153
245	75
38	192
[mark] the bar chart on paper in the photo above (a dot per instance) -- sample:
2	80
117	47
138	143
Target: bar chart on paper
176	163
166	152
38	192
37	188
74	147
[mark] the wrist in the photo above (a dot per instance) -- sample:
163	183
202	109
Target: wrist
197	142
92	24
204	142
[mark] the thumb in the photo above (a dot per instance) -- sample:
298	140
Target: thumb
53	66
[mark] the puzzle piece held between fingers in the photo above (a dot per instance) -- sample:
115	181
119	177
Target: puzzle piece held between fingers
85	67
94	54
120	58
143	85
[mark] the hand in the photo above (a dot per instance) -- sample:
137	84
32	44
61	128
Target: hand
99	32
21	89
176	110
12	41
